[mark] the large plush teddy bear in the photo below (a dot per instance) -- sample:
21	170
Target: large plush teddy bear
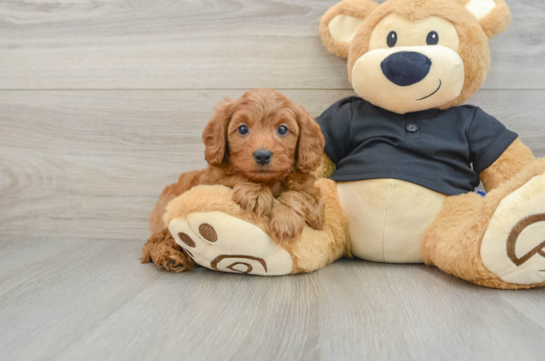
404	158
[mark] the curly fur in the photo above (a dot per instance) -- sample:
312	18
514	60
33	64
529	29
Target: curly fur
162	250
282	190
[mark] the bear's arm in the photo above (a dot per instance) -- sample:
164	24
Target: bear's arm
516	157
326	168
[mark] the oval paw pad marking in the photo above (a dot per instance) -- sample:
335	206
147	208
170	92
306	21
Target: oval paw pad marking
208	232
515	233
249	267
186	239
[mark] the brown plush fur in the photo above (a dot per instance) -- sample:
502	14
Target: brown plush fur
282	189
185	181
356	8
474	49
512	161
453	240
498	20
326	168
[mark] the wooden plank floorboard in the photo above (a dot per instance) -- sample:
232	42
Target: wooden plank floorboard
57	300
373	311
20	254
97	302
90	164
204	315
530	304
170	44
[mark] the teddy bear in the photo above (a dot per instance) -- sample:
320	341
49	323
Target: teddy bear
402	160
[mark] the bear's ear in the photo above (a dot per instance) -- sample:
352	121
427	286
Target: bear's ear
493	15
339	24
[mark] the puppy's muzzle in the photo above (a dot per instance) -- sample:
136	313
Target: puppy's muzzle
406	67
262	156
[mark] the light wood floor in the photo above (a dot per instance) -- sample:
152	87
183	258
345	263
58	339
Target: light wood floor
102	103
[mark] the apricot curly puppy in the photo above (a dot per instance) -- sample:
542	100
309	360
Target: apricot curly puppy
264	147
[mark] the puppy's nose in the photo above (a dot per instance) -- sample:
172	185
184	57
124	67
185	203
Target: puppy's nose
406	67
262	156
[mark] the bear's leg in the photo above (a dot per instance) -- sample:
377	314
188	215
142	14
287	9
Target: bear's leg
497	241
216	233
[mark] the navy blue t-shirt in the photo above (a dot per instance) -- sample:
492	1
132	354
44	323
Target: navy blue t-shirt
433	148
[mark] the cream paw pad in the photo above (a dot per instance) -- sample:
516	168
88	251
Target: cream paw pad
513	247
225	243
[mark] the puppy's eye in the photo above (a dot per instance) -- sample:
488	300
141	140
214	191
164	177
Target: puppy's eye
282	130
433	38
392	39
243	129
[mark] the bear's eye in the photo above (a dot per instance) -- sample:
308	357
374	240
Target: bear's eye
243	129
392	39
282	130
433	38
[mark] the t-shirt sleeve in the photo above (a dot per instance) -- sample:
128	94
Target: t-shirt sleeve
335	125
488	139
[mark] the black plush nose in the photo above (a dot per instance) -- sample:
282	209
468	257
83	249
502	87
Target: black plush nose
262	156
406	67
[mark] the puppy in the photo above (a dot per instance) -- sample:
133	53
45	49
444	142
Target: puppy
264	147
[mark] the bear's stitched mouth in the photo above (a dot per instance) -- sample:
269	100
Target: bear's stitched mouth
426	97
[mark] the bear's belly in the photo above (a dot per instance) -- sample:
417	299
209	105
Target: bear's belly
388	218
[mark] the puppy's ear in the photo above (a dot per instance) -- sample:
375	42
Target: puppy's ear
214	136
310	147
340	23
493	15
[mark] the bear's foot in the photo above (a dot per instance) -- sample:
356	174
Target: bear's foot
221	242
513	247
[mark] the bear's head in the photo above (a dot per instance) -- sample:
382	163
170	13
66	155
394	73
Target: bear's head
412	55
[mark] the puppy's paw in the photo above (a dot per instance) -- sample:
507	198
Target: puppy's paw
264	204
253	198
286	223
161	249
172	260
